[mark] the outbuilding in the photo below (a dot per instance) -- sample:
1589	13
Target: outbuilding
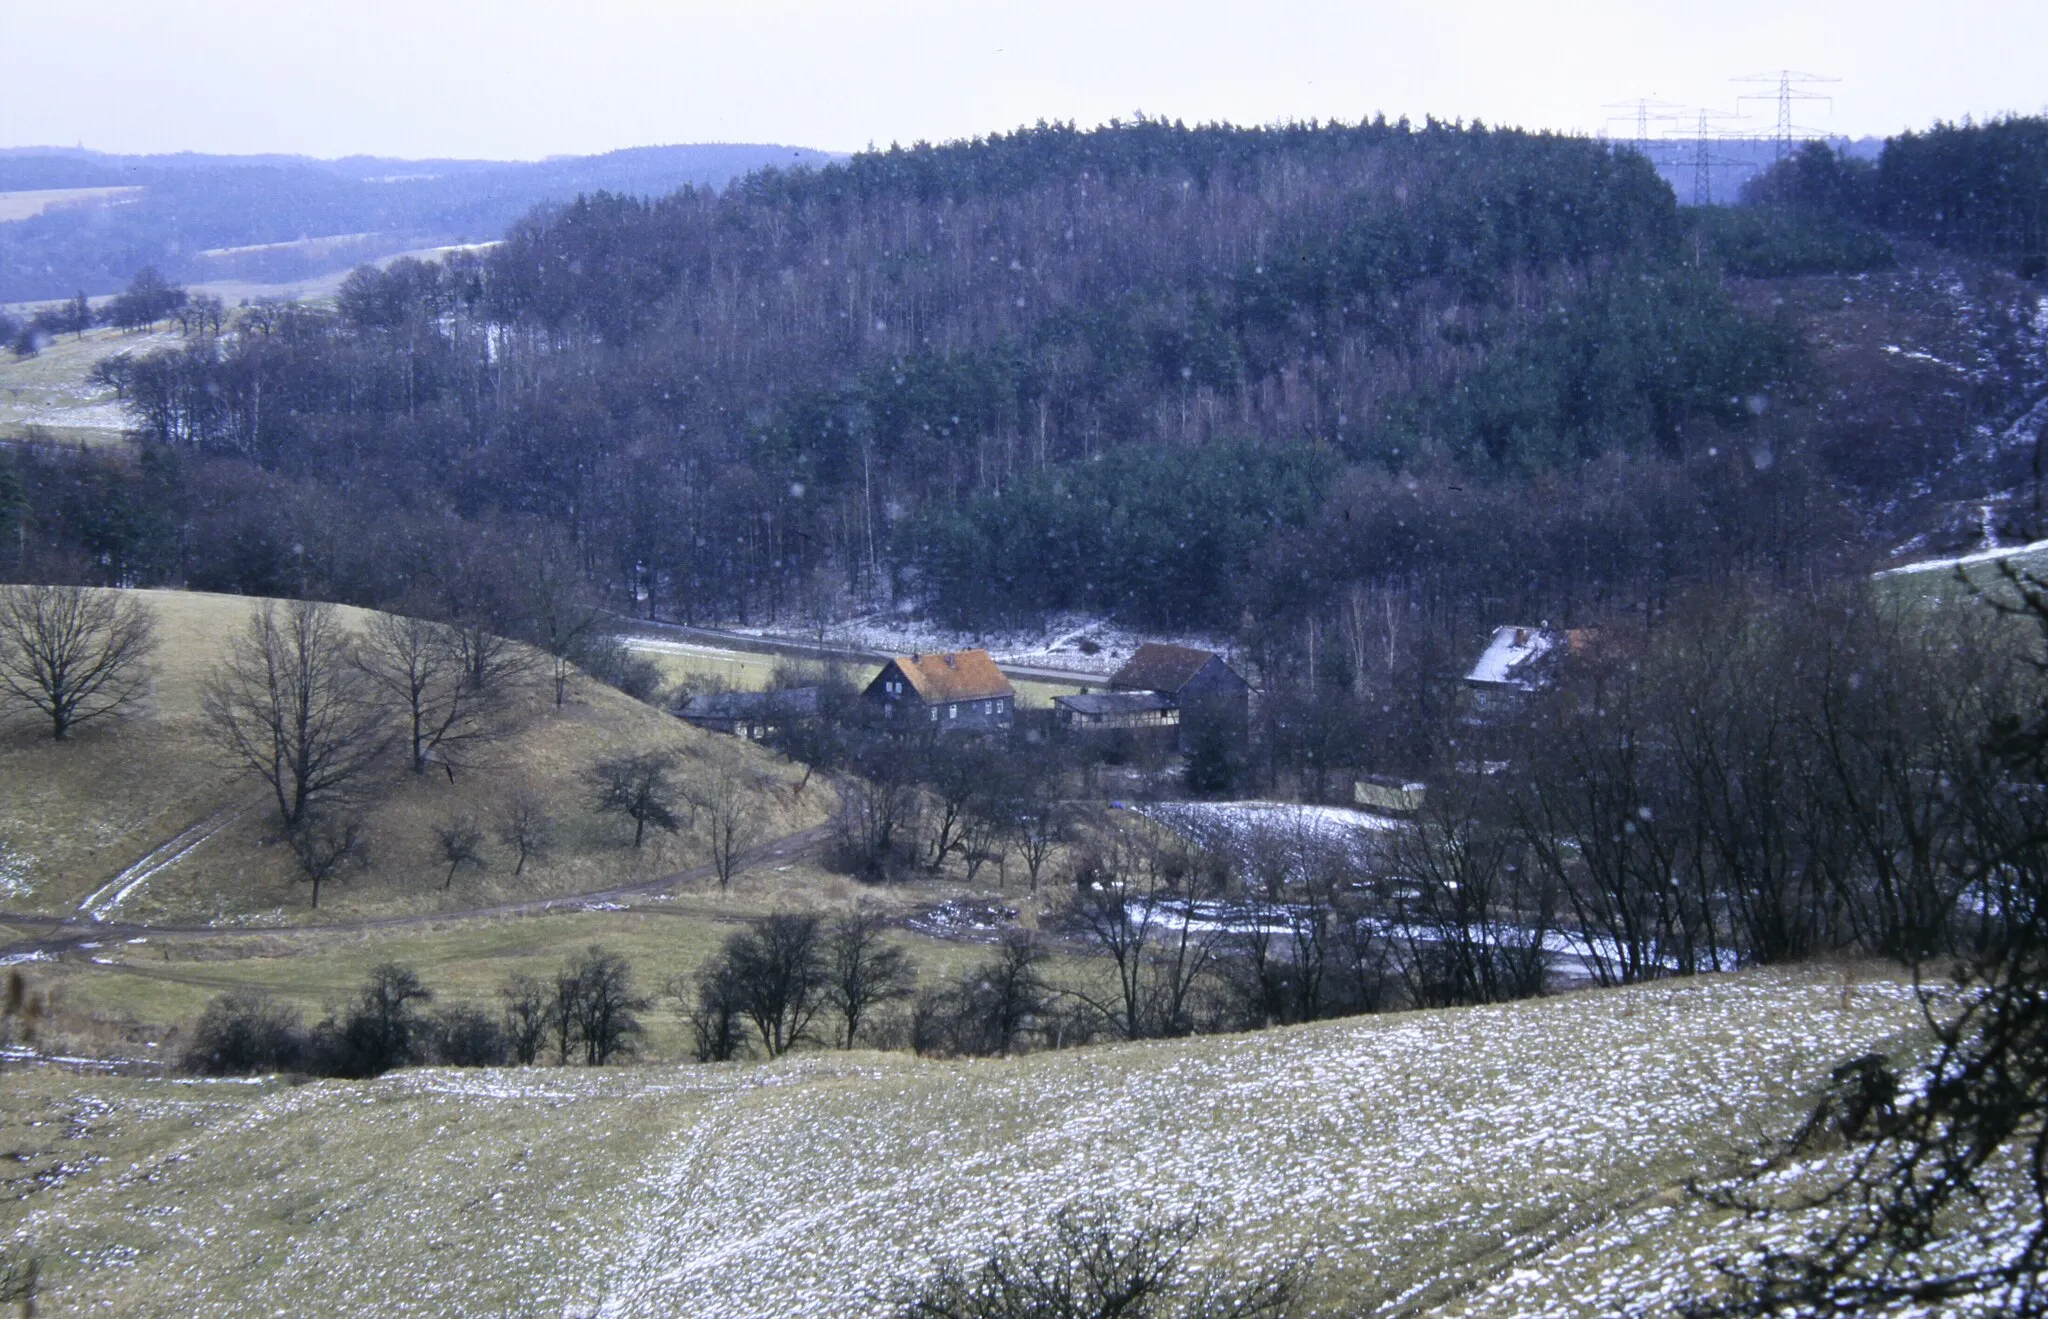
752	715
1105	711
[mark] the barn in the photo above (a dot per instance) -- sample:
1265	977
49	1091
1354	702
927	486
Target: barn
1188	677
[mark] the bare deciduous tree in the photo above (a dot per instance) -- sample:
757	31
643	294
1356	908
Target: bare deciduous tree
290	705
777	974
878	807
1096	1262
459	841
1135	902
1037	821
528	1017
994	1008
324	843
638	787
729	801
864	970
525	825
710	1002
605	1010
74	653
427	671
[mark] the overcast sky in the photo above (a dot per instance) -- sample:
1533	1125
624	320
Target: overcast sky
524	79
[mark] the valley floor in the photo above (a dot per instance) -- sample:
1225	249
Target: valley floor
1521	1159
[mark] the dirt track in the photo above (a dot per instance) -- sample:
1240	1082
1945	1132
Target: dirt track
61	933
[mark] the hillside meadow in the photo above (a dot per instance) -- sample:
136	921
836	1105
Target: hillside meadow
1520	1159
77	817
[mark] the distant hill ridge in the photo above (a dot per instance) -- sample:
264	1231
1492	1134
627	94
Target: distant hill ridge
195	203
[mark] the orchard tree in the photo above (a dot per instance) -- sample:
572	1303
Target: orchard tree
641	788
74	653
290	704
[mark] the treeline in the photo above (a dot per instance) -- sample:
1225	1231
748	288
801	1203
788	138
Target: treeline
588	1012
1979	188
895	374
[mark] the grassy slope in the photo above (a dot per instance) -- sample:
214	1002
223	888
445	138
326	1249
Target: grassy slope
1412	1157
138	1001
50	389
86	811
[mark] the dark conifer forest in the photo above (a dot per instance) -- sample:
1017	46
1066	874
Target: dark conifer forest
1186	375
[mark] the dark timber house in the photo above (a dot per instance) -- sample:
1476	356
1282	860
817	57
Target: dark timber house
752	715
961	691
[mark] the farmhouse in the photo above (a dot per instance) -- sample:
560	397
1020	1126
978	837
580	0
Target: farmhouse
958	691
1521	660
752	715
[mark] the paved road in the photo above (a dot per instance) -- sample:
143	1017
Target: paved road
57	934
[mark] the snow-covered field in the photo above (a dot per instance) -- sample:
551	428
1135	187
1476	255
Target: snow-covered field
1079	643
1236	827
1407	1160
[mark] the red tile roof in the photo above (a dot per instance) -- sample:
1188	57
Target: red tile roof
966	675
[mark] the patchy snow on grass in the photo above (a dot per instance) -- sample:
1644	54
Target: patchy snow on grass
104	901
1083	644
1404	1160
17	870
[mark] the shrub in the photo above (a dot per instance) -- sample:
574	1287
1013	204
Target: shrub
1094	1262
243	1031
465	1036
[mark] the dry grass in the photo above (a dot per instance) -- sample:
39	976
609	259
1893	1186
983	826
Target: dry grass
83	812
1411	1161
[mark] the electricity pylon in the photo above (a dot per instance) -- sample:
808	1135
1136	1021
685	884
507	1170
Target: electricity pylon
1790	84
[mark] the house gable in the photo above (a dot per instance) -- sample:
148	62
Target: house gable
959	689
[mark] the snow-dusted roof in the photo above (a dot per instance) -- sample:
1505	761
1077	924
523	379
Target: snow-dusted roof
1510	658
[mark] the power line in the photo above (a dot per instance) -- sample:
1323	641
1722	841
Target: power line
1790	87
1647	110
1703	158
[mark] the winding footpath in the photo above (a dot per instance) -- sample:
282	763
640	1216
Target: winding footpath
56	935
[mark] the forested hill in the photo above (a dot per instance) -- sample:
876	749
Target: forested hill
1177	373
